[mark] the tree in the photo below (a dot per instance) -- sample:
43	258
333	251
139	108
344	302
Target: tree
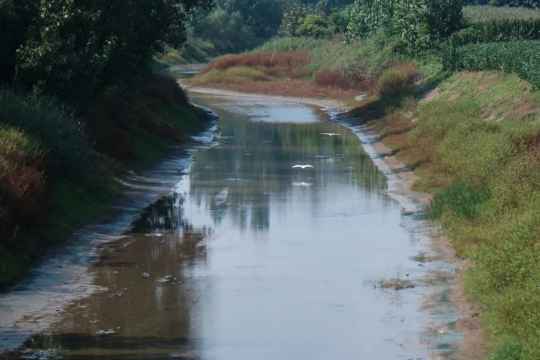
418	23
74	48
15	19
263	16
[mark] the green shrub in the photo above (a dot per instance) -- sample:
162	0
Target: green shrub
54	126
22	181
315	26
462	199
397	80
22	164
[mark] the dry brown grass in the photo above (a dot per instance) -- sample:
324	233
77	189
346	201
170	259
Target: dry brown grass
288	87
338	79
282	63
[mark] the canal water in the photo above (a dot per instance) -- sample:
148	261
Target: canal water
277	242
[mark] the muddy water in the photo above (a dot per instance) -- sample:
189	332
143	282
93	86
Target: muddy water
273	246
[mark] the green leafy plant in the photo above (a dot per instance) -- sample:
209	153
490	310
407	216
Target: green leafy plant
520	57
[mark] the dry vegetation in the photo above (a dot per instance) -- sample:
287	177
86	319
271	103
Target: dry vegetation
294	70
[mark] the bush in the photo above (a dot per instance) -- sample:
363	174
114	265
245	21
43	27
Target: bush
22	180
315	26
520	57
460	198
54	126
397	80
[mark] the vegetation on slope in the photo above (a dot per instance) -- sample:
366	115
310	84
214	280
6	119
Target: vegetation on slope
474	145
79	103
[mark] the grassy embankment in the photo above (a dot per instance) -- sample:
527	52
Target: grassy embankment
56	174
473	141
298	67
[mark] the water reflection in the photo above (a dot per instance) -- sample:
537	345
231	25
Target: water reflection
267	250
254	165
144	308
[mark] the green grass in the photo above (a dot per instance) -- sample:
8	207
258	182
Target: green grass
483	156
284	44
195	50
231	75
474	14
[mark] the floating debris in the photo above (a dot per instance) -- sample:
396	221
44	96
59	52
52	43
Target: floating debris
30	354
408	212
166	279
107	332
184	356
154	235
361	97
145	275
395	284
301	184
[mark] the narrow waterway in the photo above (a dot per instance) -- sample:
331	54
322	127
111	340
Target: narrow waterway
275	244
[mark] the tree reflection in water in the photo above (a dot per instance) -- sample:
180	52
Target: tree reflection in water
254	165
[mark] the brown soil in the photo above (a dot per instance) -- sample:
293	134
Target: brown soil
288	87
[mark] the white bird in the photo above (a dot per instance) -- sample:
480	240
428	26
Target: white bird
301	184
304	166
221	198
330	134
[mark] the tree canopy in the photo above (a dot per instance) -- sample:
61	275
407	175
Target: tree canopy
74	48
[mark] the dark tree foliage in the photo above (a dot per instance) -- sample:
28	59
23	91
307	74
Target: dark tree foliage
262	16
15	19
74	48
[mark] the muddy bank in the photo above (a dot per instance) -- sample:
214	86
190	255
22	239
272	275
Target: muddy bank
62	277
